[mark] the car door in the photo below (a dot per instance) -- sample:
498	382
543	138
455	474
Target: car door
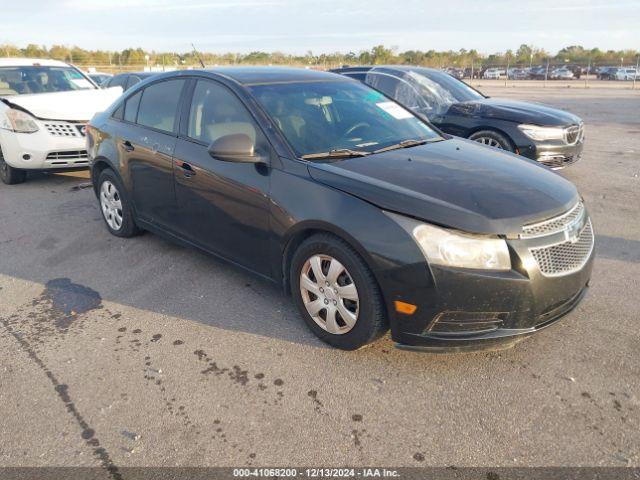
223	206
147	146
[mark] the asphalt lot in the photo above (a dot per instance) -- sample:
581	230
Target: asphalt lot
139	352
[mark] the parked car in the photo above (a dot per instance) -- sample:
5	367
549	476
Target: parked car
494	73
518	74
455	73
561	74
128	80
363	212
626	73
607	73
44	106
548	135
538	73
472	73
99	78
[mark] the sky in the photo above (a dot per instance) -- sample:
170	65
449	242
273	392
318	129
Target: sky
321	26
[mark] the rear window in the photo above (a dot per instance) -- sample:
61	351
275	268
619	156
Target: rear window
159	105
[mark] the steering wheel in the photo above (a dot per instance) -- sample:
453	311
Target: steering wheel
356	127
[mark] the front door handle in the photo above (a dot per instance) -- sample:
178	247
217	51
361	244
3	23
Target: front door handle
127	146
187	169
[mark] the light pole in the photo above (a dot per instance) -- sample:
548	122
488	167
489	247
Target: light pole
146	57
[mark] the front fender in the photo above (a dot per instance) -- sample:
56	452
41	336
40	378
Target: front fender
392	255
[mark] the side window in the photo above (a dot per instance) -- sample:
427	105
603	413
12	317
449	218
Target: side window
159	105
119	113
384	83
131	107
118	81
132	81
216	112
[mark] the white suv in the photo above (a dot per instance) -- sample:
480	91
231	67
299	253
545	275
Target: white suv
44	106
627	74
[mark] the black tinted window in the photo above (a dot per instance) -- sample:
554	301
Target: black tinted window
216	112
385	83
357	76
119	113
159	105
118	81
132	81
131	107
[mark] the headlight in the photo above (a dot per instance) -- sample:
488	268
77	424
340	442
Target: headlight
456	249
18	121
536	132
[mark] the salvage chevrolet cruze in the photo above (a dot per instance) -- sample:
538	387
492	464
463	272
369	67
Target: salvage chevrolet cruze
366	215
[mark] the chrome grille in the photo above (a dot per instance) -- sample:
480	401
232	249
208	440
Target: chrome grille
68	157
553	225
566	257
574	133
558	161
62	129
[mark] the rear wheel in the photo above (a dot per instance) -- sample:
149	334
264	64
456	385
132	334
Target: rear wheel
336	293
10	175
115	207
491	138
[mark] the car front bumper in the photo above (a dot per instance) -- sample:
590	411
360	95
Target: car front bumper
43	150
463	310
555	156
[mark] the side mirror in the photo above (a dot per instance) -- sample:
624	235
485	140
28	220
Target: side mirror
237	147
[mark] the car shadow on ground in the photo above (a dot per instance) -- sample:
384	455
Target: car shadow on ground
65	237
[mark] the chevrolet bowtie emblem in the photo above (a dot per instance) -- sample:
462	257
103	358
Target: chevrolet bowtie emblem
572	231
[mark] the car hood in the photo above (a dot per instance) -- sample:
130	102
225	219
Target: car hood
77	105
454	183
515	111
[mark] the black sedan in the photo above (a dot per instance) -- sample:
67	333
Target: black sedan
551	136
365	215
127	80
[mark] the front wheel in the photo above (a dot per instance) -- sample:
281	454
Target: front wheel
336	293
10	175
491	138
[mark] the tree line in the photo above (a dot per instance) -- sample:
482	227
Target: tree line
378	55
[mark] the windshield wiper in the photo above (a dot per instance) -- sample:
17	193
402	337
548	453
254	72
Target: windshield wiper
403	144
336	153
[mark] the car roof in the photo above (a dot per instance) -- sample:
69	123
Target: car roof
138	74
29	62
267	75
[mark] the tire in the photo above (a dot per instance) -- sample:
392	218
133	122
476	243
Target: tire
115	206
370	321
491	138
10	175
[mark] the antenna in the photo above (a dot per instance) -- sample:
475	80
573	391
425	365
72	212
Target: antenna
198	55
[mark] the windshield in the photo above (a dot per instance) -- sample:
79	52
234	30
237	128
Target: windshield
35	79
319	117
430	92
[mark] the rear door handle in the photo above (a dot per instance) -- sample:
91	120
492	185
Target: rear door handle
127	146
187	170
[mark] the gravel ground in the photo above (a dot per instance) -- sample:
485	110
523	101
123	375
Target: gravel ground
139	352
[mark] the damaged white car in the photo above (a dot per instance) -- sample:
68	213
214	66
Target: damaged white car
44	106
